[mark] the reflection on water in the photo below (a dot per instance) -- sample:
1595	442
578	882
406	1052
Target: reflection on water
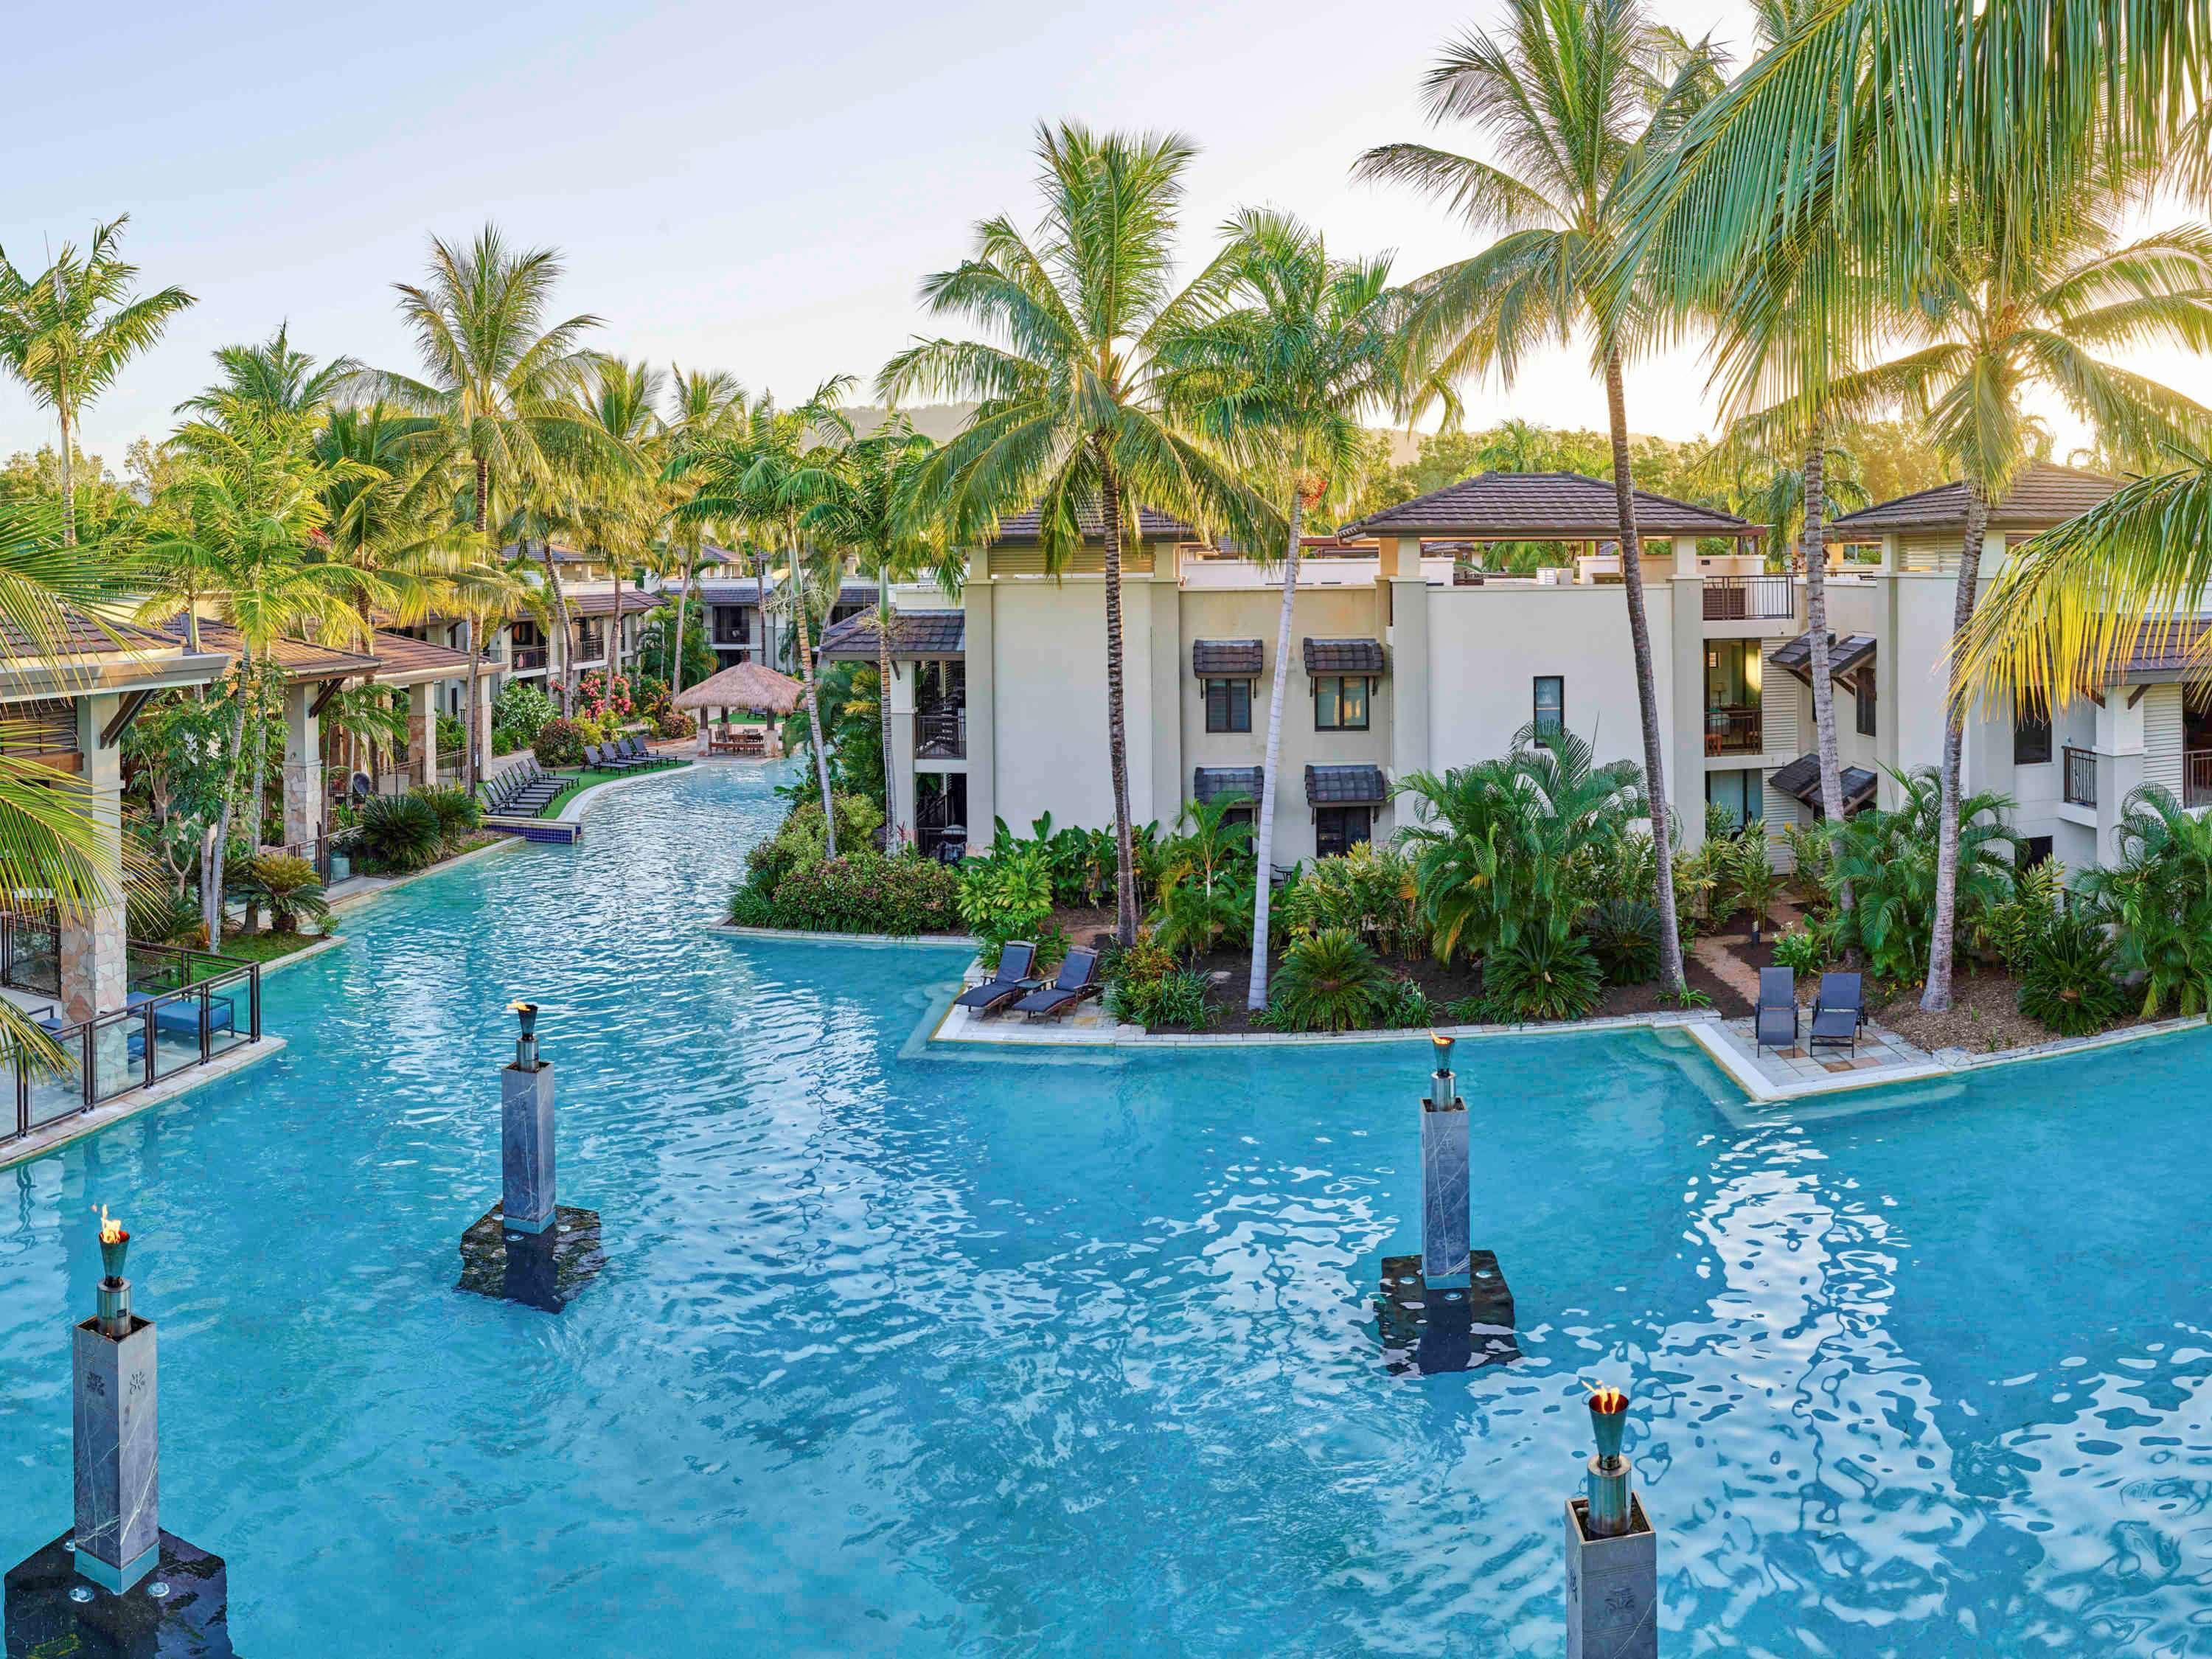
1078	1354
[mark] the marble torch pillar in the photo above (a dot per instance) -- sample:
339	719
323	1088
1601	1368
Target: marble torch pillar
525	1132
1613	1550
117	1451
1445	1223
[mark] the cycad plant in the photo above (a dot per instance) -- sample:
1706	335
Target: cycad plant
1332	981
1069	414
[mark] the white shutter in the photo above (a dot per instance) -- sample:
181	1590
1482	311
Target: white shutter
2162	736
1778	698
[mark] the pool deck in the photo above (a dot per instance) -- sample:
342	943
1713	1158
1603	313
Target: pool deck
62	1131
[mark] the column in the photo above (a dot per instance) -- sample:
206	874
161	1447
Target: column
1169	687
1408	682
303	766
899	764
422	734
485	688
1684	636
982	734
95	968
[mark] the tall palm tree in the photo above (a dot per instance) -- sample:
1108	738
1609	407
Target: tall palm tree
2000	316
871	511
1298	347
67	332
766	478
616	506
1578	96
703	405
1069	416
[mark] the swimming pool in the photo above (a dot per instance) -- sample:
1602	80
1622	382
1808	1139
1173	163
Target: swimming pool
1073	1352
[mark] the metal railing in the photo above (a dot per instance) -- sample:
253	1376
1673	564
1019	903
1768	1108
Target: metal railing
527	658
2196	777
941	734
2081	776
1746	599
184	1010
1734	732
316	851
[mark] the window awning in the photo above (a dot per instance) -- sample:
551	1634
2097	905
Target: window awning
1344	656
1846	656
1227	659
1345	785
1211	783
1802	778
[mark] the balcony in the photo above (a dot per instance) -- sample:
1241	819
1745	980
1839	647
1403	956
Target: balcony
1735	730
1749	598
940	735
2081	787
2196	777
528	659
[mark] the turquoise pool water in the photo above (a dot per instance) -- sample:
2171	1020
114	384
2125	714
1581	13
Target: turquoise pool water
927	1355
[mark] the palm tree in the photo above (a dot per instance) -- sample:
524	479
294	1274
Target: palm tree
870	511
67	333
766	478
1298	347
703	405
1068	415
1579	97
616	507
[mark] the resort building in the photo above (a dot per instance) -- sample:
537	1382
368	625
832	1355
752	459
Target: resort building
1407	655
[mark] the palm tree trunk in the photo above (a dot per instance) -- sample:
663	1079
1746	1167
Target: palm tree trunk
813	703
1255	992
883	621
1816	619
1647	688
1943	933
468	714
211	859
567	641
683	605
1117	730
69	474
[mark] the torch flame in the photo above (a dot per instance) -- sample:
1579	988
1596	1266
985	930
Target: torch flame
518	1006
111	1230
1605	1397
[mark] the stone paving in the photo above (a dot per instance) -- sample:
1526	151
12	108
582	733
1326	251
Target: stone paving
1884	1054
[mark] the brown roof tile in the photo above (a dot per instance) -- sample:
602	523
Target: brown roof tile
1542	507
2044	496
1150	526
914	634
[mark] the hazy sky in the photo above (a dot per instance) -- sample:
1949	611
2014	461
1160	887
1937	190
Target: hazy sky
748	187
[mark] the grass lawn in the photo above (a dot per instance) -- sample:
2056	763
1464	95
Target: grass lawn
585	780
266	947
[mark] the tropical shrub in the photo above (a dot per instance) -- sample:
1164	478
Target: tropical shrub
1193	917
1623	936
288	886
452	734
523	709
1330	982
503	741
1888	858
867	893
1405	1005
1753	880
1806	950
2159	896
559	743
675	724
460	814
1147	987
161	915
1007	895
751	908
1810	853
604	698
2011	929
1539	977
399	832
2067	978
799	839
1368	891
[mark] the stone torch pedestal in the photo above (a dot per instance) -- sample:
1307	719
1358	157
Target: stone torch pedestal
1613	1586
526	1147
528	1248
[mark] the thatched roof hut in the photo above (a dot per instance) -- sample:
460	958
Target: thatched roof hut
748	685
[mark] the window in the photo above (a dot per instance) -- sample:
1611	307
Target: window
1551	705
1863	689
1341	705
2033	849
1229	705
1338	829
1742	795
2031	741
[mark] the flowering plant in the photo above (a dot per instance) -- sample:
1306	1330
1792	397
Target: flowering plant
604	697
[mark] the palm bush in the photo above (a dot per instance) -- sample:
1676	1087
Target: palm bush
1623	936
1810	853
2159	896
2011	929
1330	982
399	832
1752	876
1007	895
2068	980
1888	859
1539	977
288	886
1176	999
1406	1006
1368	891
1806	950
161	915
460	814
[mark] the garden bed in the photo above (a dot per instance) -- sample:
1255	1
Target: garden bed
1984	1018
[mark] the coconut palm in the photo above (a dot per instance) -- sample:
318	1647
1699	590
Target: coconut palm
1069	416
67	332
703	405
765	479
1578	96
616	505
1295	348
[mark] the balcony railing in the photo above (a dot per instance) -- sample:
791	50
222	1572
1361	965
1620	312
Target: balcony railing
941	734
528	658
1734	732
2196	777
2081	776
186	1008
1747	598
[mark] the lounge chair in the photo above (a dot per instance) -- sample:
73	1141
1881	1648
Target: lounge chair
1078	978
1008	980
1774	1024
602	758
1837	1012
634	746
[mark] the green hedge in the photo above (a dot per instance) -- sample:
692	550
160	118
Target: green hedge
863	894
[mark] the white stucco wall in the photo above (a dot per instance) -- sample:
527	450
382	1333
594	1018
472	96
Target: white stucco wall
1049	698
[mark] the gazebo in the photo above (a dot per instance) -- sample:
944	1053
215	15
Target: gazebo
749	687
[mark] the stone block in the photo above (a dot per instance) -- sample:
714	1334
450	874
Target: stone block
118	1453
1444	1218
178	1611
1613	1588
525	1148
546	1269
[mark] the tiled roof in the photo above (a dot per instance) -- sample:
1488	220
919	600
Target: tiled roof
1226	658
1802	778
77	634
1210	783
561	555
1150	526
2044	496
1540	506
1845	655
401	653
719	590
302	661
598	603
2167	648
1344	656
1345	785
914	634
